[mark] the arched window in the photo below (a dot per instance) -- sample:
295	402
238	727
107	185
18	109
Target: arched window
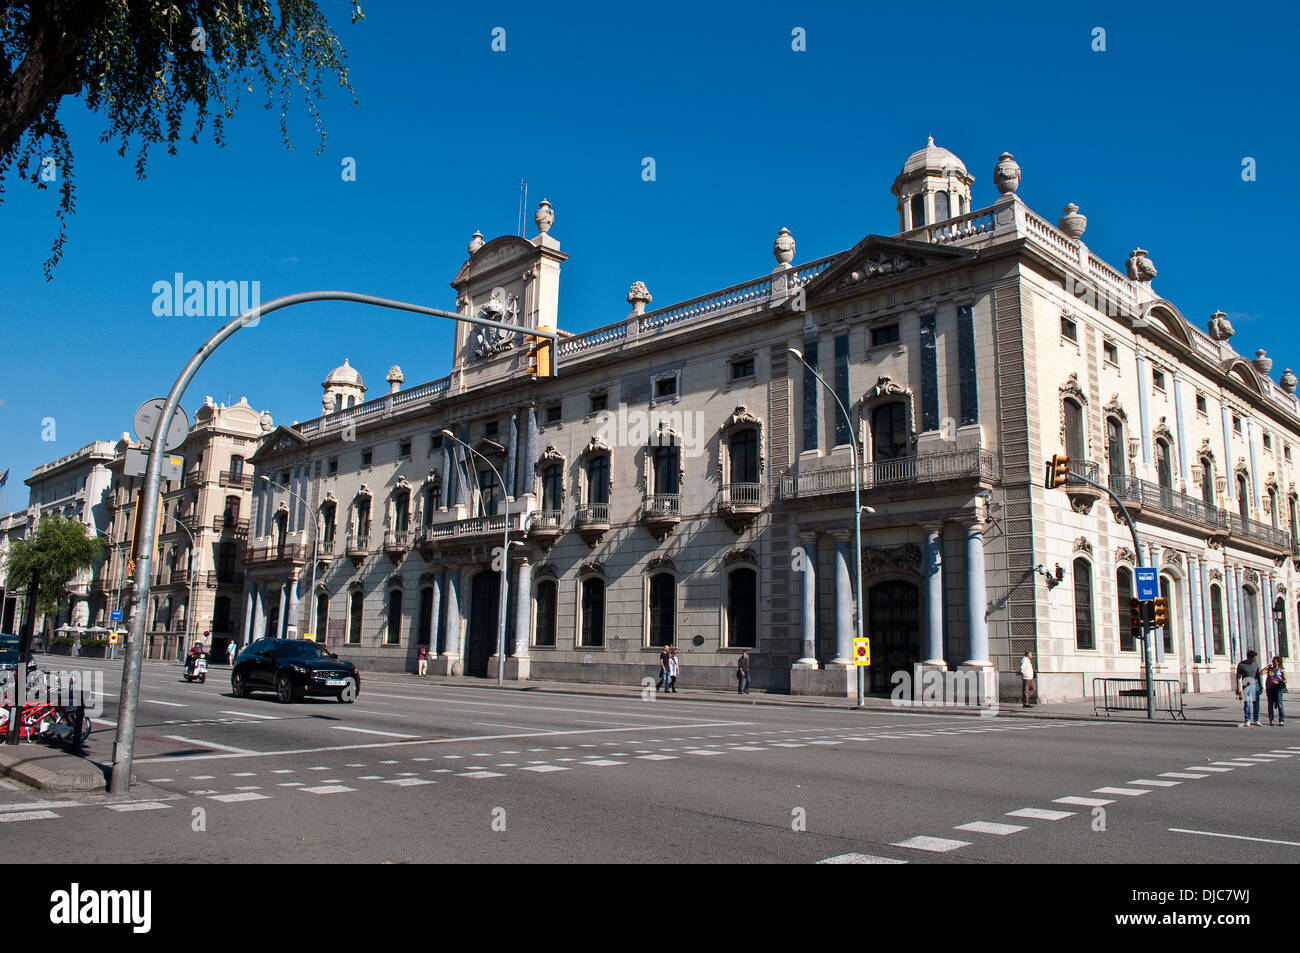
941	206
322	616
742	608
1123	594
1167	591
918	210
430	502
1115	446
328	511
1083	634
889	439
663	608
236	467
1279	614
1243	503
592	629
544	624
401	510
598	480
356	607
1216	617
281	522
667	462
1074	447
393	635
425	635
1207	481
1164	468
361	510
231	513
742	449
552	487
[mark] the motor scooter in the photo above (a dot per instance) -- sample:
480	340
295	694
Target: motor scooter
197	668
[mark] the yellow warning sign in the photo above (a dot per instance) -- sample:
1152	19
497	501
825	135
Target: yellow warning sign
861	651
112	638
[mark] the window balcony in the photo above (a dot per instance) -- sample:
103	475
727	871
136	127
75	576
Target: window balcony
544	527
662	512
1143	496
739	504
242	481
975	465
592	522
225	580
238	527
271	554
396	543
358	546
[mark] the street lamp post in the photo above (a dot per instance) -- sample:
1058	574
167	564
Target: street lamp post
857	512
315	546
505	562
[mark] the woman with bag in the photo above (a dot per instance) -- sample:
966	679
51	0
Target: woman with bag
1275	687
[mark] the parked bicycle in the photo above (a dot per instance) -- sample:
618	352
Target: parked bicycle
56	723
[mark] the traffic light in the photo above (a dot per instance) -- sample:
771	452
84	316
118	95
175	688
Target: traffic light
1162	612
1135	612
1058	471
541	350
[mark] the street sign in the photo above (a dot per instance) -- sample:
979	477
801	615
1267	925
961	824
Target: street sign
146	419
1146	583
115	615
861	651
138	460
112	638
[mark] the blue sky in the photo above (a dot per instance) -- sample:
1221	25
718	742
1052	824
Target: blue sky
748	136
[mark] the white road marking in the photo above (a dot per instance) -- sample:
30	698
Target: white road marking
154	701
1130	792
936	845
1186	775
290	784
245	796
1152	782
859	859
1234	764
39	805
249	787
202	777
27	816
1258	840
1273	754
407	782
989	827
367	711
249	714
1038	814
1083	801
602	763
704	751
203	744
244	774
372	731
480	774
1203	767
542	768
283	771
138	806
328	789
788	744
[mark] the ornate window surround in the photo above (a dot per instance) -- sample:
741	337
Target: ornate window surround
740	419
886	391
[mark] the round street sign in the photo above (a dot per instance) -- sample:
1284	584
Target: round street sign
146	419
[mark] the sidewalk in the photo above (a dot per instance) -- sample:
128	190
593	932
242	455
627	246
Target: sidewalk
51	769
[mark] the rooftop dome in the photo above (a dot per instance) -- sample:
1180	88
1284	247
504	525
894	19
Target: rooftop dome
932	157
347	374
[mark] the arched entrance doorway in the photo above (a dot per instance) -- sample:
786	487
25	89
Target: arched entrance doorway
482	637
894	620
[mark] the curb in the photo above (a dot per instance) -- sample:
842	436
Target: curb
87	777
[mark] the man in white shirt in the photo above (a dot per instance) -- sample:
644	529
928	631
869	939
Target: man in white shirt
1027	687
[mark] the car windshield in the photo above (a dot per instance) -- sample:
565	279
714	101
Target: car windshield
303	650
9	649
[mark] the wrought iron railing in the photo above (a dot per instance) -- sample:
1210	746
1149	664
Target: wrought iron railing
742	494
973	464
593	514
1166	500
243	481
545	519
220	524
663	505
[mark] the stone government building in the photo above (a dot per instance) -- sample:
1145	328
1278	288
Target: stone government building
685	480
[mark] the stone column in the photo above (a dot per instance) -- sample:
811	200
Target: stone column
1270	597
808	615
1184	465
292	630
259	617
284	600
452	653
843	600
1232	589
1144	417
1207	612
1229	485
977	626
934	597
248	613
523	620
437	611
1194	591
1254	469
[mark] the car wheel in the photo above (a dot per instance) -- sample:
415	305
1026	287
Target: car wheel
238	686
348	693
284	690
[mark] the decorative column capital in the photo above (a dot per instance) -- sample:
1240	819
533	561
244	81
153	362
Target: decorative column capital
979	527
808	537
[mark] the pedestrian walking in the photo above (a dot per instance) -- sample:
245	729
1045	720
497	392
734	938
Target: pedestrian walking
664	656
230	652
1028	689
742	674
1248	688
423	668
674	667
1275	688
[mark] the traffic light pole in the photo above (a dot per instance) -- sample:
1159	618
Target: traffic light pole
124	742
1137	556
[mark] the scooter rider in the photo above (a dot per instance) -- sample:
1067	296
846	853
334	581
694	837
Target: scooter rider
196	652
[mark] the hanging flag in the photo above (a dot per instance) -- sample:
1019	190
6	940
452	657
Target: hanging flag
4	478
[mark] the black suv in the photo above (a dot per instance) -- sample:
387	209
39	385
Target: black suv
293	668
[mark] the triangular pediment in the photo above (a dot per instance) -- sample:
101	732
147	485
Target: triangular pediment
878	258
280	440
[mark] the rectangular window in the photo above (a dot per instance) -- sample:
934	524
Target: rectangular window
1236	424
404	448
1069	329
1286	451
1083	604
666	387
553	414
886	335
367	457
811	394
491	428
1157	379
1268	442
1124	595
1201	406
842	389
1110	352
742	368
967	372
544	628
599	402
354	618
1216	617
435	442
929	375
332	465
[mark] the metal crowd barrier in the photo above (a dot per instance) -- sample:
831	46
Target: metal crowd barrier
1130	694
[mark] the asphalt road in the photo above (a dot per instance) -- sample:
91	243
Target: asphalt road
418	772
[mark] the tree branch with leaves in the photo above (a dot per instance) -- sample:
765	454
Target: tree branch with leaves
60	548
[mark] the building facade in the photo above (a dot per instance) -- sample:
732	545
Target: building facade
688	480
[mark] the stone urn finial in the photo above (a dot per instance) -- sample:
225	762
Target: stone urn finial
1263	363
544	216
1220	327
783	249
1288	381
1072	223
476	242
395	379
1006	174
1139	266
639	296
